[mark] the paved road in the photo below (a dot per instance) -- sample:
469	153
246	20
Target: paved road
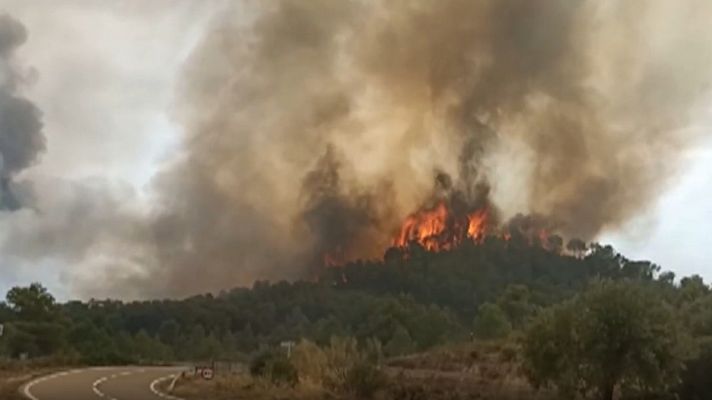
122	383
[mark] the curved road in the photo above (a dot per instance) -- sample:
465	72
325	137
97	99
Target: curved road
120	383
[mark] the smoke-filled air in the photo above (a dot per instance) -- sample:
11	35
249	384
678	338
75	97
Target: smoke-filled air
320	132
21	138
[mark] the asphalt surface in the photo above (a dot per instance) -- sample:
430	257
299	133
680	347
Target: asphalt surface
122	383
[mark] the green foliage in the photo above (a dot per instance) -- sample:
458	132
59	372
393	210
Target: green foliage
149	349
32	303
260	364
412	301
364	380
373	351
208	348
36	327
275	367
311	362
341	366
406	303
35	339
341	355
491	322
283	372
696	383
400	343
693	288
614	335
95	346
515	302
697	313
169	332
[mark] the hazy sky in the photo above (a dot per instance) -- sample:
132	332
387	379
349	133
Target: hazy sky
105	78
675	234
105	74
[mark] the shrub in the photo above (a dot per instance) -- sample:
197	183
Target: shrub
311	362
283	372
341	355
491	322
259	364
275	367
616	335
400	343
696	383
508	353
364	380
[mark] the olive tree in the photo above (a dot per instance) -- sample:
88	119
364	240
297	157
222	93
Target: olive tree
616	336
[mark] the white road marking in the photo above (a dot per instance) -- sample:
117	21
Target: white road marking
27	387
158	392
95	386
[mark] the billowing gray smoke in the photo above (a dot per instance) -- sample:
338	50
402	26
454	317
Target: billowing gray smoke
21	138
314	127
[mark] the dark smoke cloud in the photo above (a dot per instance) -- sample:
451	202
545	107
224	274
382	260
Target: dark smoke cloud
21	138
340	221
312	128
316	126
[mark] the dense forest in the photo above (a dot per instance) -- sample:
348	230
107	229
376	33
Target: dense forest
410	301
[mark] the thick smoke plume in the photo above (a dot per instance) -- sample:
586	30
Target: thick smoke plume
317	126
21	138
313	128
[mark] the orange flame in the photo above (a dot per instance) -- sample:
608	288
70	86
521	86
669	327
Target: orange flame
439	229
477	227
423	227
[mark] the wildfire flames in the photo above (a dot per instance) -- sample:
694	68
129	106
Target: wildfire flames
438	228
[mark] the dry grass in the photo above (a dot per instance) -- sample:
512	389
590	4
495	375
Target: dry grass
14	374
487	371
484	371
463	356
244	387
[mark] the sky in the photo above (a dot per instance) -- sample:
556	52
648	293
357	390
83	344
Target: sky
674	233
104	80
104	77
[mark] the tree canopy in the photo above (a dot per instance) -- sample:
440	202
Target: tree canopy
615	335
413	300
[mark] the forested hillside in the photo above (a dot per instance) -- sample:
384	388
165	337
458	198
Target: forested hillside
411	301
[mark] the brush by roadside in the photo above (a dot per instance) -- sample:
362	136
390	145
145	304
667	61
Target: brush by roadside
13	375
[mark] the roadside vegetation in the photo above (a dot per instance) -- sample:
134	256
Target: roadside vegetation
15	374
498	320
